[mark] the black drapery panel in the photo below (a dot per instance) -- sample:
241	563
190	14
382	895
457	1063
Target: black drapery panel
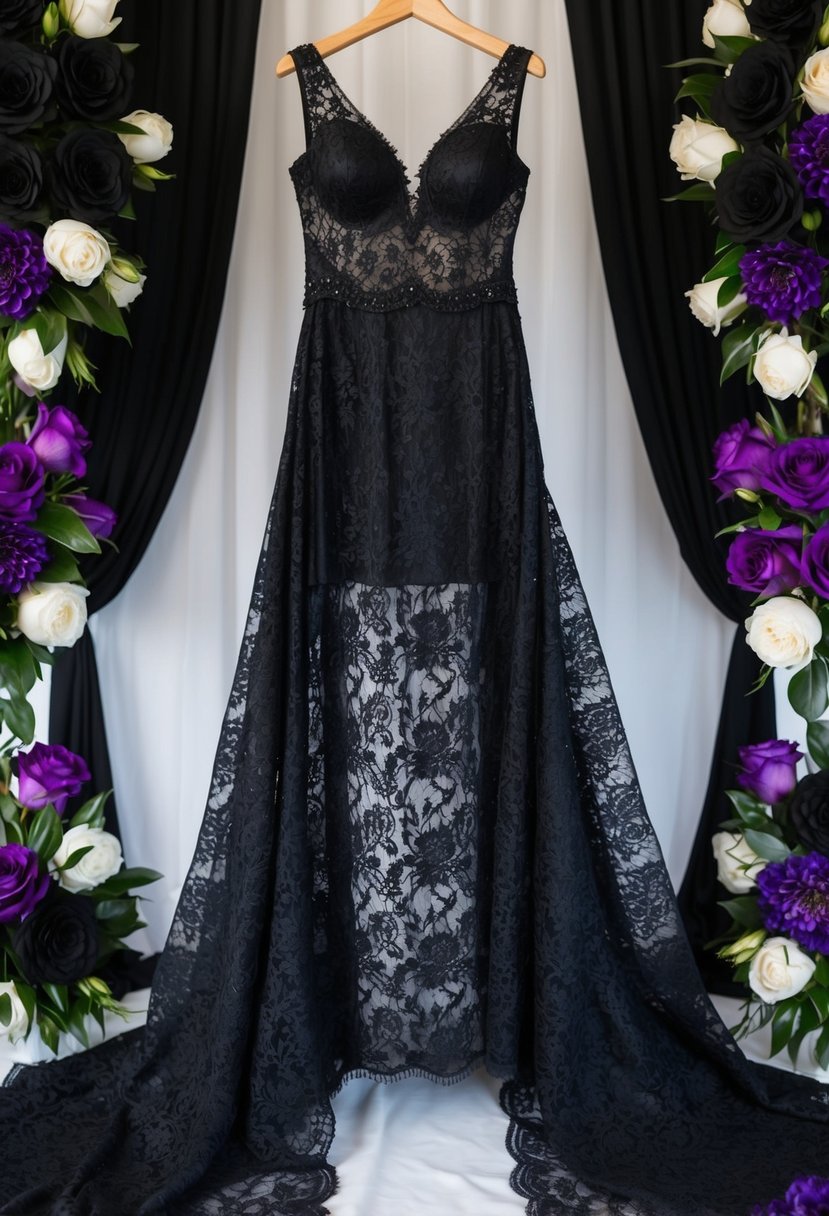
195	66
653	253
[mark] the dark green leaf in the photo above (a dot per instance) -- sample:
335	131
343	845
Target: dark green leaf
50	328
59	996
769	519
727	292
809	690
74	857
92	812
743	910
28	1000
822	971
48	1031
64	525
700	86
5	1009
694	194
822	1048
127	128
45	833
62	567
771	848
727	265
77	1022
124	881
19	717
817	741
729	47
783	1024
14	833
745	803
820	999
737	349
17	667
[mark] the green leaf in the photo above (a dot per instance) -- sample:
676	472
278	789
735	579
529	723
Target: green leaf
124	881
62	524
769	519
692	63
728	264
45	833
822	971
123	128
14	833
49	1032
771	848
728	291
817	741
85	304
77	1022
822	1048
62	567
737	349
743	910
809	690
120	916
729	47
58	994
50	328
783	1024
17	667
74	857
694	194
745	803
5	1009
92	812
820	999
701	87
19	717
28	1000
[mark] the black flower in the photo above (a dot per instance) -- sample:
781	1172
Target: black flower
90	176
431	626
21	179
757	94
794	22
58	942
758	197
27	79
95	79
809	812
18	15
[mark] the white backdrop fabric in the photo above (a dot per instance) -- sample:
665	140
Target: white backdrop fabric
167	646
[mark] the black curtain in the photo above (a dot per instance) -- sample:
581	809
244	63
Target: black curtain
652	253
194	65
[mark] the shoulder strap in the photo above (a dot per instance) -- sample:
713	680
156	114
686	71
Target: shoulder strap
499	101
322	97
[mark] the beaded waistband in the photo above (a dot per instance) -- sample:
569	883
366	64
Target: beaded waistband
404	295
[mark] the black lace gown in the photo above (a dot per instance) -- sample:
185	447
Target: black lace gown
425	848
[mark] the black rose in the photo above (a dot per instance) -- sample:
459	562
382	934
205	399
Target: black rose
758	197
21	179
57	943
17	15
90	176
757	95
809	811
794	22
94	79
26	81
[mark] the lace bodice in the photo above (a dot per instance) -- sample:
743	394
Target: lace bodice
375	243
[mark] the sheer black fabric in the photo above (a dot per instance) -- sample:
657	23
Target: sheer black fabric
424	847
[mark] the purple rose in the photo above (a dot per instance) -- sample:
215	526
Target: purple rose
98	517
59	440
741	455
766	563
49	772
21	482
22	883
798	473
23	554
815	564
24	271
769	769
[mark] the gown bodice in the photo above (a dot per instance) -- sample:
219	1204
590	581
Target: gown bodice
374	243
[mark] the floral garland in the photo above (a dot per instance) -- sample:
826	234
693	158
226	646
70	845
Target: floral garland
70	156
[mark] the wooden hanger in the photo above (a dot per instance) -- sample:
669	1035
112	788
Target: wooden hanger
433	12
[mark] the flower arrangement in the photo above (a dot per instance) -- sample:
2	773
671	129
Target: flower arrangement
805	1197
65	899
71	154
757	150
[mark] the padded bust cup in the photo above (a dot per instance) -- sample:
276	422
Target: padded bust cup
357	176
468	175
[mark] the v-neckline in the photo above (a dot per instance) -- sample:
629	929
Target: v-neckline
411	182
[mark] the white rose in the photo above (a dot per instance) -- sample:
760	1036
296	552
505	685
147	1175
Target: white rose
782	367
19	1024
726	19
156	141
76	251
34	365
94	867
90	18
783	631
122	291
52	614
816	81
779	969
702	300
733	855
697	148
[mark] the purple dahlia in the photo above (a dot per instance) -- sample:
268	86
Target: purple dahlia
805	1197
23	554
783	280
24	271
809	155
794	899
